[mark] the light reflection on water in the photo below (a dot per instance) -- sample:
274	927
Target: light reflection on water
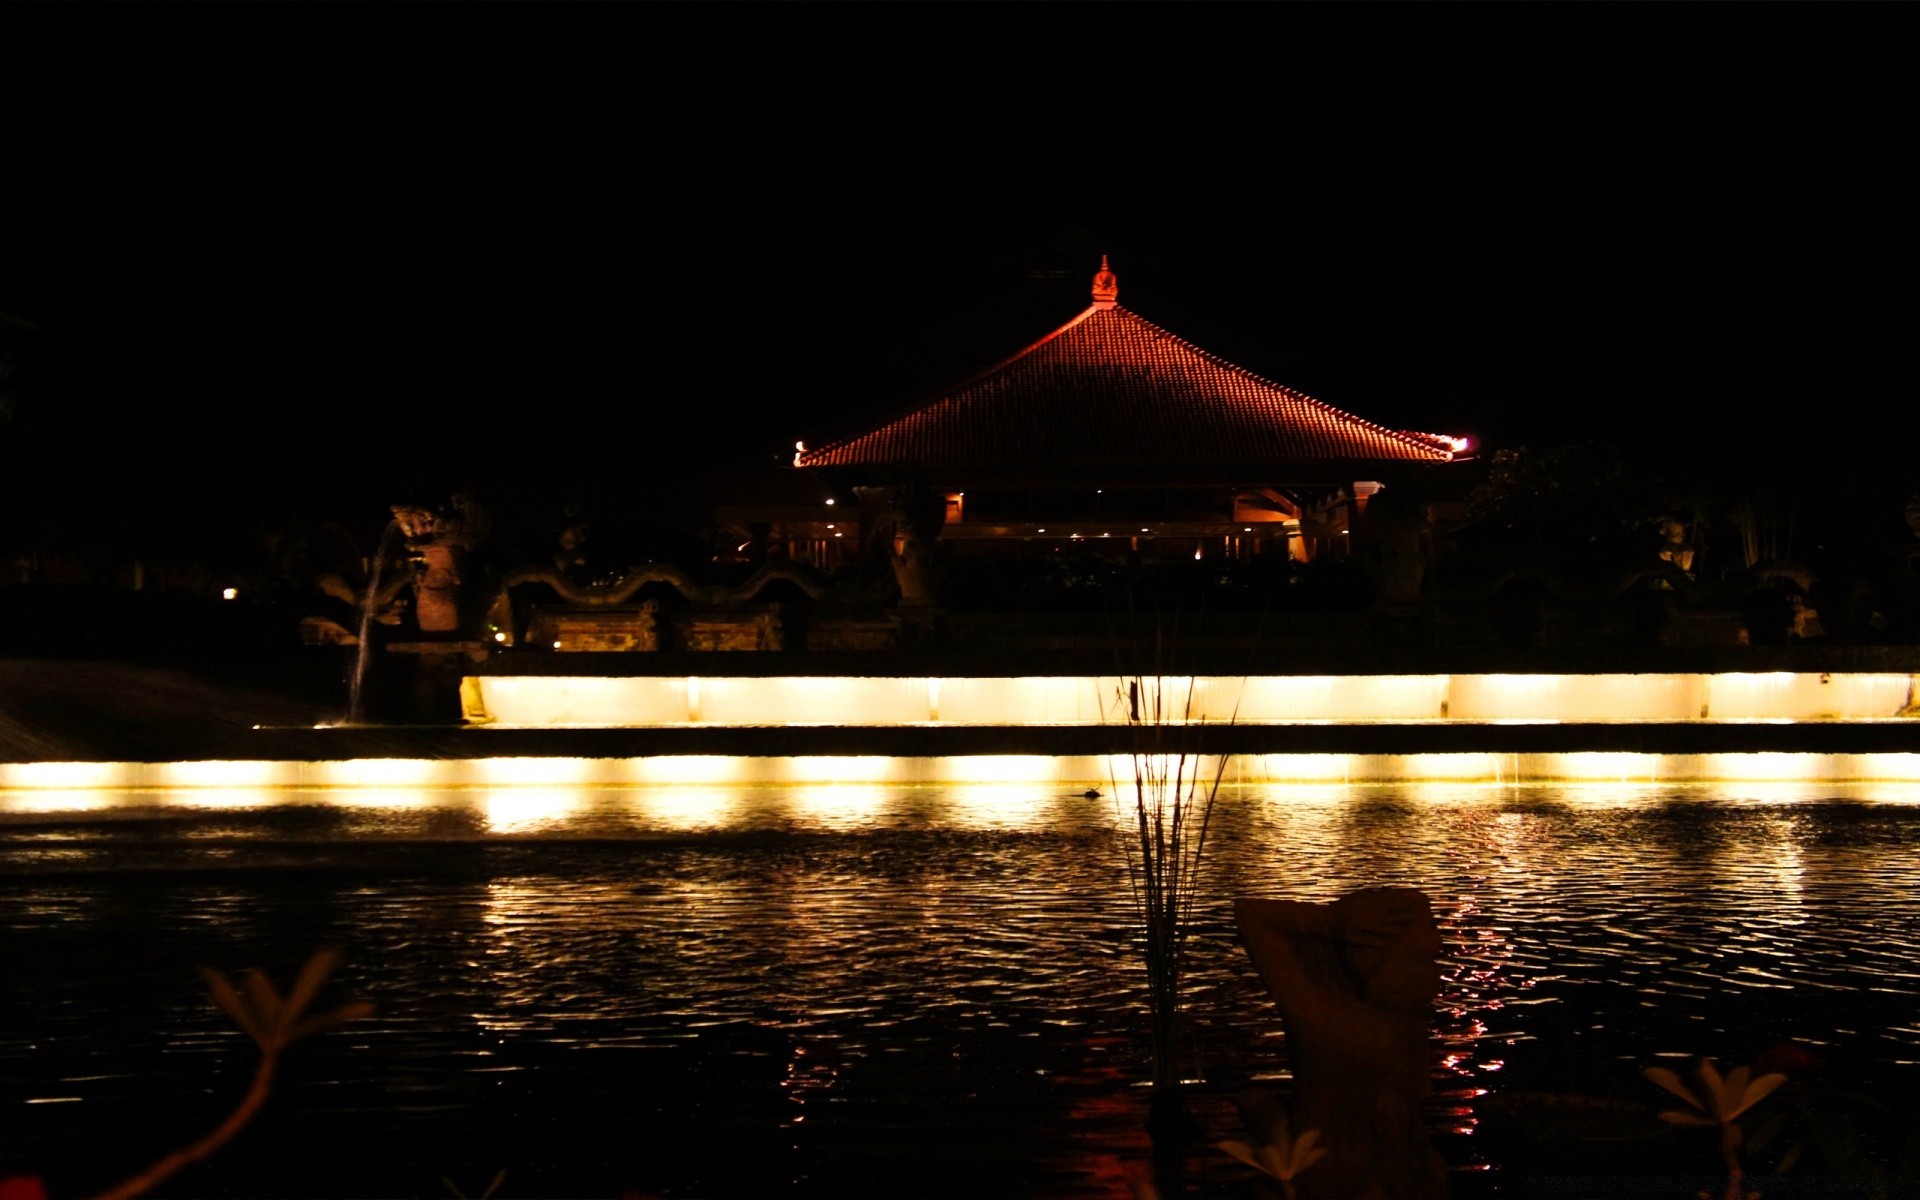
711	990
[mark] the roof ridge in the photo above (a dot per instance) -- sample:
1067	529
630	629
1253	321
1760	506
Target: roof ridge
1131	324
951	389
1429	441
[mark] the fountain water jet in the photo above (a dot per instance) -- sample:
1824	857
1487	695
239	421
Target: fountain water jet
357	690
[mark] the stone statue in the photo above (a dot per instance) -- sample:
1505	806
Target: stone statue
917	514
436	541
1676	544
1355	981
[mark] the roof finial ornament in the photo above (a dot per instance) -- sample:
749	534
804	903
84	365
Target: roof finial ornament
1106	287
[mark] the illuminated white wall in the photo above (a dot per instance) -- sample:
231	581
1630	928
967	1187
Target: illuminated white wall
527	701
1577	697
1806	697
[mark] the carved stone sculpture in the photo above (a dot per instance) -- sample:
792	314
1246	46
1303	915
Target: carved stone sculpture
437	541
1355	982
917	515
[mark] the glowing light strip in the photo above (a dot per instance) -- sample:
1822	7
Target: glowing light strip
529	701
37	787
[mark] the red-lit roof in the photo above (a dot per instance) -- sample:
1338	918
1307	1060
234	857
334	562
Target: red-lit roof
1110	389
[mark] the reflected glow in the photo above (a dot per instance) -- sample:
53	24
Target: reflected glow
377	797
683	809
383	782
59	800
998	805
845	806
523	809
229	797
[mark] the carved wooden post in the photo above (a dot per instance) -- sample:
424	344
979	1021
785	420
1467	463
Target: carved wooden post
1355	982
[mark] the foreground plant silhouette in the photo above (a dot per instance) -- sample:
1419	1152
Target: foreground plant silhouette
1720	1102
1163	838
274	1023
1278	1155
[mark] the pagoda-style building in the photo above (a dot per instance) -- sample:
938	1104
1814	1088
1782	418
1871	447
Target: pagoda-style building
1113	430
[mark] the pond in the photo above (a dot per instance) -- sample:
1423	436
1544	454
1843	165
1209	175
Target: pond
879	990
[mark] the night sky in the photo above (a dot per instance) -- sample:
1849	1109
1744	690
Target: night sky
281	244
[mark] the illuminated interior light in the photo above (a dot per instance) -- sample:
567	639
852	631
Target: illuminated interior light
829	501
829	525
229	593
500	635
556	643
1042	529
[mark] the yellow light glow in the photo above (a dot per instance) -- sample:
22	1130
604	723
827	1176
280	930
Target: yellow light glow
689	768
1767	767
229	593
684	809
997	768
225	774
227	797
533	771
379	772
836	769
1291	767
1592	765
844	806
378	798
1000	805
38	775
58	800
522	809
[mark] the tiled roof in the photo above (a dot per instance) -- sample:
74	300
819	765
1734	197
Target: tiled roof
1110	389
